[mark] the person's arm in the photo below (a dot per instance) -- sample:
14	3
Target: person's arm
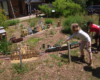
69	38
89	44
99	30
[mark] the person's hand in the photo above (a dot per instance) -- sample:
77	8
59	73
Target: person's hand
65	41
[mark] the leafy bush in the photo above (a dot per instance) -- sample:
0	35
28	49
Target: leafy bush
46	9
48	21
4	46
5	24
71	9
81	20
12	22
3	18
59	6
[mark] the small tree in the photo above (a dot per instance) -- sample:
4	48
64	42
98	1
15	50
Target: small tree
73	8
45	9
59	5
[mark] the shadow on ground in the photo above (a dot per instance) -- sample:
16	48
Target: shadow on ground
95	72
73	59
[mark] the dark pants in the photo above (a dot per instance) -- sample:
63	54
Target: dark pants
96	37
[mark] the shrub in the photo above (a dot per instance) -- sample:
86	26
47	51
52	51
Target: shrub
12	22
4	46
48	21
3	18
71	9
45	9
81	20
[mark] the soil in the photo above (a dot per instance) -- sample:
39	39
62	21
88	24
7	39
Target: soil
50	67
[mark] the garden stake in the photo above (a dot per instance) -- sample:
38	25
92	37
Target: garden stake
20	57
69	52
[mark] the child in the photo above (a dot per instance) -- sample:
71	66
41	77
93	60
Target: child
94	28
86	40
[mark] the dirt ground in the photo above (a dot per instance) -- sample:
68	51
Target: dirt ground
53	65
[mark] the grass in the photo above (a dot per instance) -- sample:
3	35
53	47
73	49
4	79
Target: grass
59	42
0	62
32	41
51	32
17	68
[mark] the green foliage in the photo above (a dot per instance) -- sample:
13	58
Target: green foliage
82	3
48	21
81	20
33	41
17	68
32	24
3	18
59	5
12	22
51	32
45	9
4	46
64	7
71	9
5	24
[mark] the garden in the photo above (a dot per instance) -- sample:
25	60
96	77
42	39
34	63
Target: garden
45	32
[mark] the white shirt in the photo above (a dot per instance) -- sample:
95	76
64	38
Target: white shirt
82	35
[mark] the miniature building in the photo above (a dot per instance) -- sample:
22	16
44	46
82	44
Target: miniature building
24	32
2	33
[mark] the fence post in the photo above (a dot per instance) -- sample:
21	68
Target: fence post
20	57
69	52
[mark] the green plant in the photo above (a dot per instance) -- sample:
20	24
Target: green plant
51	32
32	24
45	9
3	18
29	20
80	19
48	21
21	25
12	22
59	63
0	62
17	68
51	65
4	46
59	5
40	78
1	71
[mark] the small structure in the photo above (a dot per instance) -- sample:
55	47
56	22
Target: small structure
24	32
2	33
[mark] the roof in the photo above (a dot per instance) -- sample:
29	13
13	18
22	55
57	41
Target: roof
2	31
1	27
34	1
3	0
50	5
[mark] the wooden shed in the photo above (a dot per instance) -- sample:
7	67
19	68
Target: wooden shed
2	33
